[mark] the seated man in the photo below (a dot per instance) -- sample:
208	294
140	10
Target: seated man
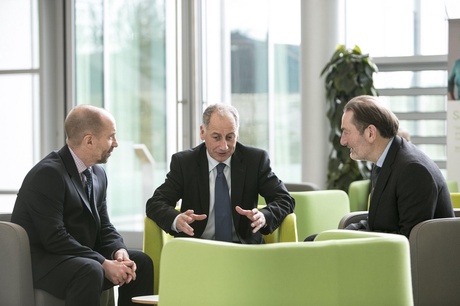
219	182
76	251
407	187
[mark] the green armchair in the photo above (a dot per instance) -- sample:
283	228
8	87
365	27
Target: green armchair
359	269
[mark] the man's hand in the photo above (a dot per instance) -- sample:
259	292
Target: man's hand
185	218
257	218
121	270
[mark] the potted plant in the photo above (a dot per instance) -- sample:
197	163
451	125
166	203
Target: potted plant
349	73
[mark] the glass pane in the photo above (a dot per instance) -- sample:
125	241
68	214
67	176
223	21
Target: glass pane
411	79
249	68
121	65
89	52
17	29
404	104
424	128
16	110
435	152
7	203
400	28
265	55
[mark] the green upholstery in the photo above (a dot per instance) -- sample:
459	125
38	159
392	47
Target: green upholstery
287	232
455	197
435	270
155	238
319	210
367	270
358	193
452	185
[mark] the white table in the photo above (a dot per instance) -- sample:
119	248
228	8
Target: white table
146	299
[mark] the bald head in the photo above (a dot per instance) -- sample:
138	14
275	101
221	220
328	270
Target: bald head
83	120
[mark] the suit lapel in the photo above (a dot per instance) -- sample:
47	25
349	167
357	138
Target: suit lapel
203	178
383	179
75	178
238	173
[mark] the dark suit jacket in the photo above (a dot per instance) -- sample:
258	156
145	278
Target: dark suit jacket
53	208
410	189
251	175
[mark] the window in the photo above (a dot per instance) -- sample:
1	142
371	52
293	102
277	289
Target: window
121	65
411	56
19	79
263	73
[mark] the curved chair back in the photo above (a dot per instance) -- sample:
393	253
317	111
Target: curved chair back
204	272
16	288
434	246
155	238
435	268
353	217
318	211
304	186
16	285
358	193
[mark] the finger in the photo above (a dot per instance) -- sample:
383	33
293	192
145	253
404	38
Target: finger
134	267
244	212
198	217
257	227
240	210
259	220
186	229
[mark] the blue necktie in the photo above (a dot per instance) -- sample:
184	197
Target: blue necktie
222	207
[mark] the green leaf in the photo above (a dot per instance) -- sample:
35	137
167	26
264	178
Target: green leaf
348	73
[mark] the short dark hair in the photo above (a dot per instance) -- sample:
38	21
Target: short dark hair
368	110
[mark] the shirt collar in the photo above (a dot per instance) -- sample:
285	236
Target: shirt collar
80	165
384	154
212	163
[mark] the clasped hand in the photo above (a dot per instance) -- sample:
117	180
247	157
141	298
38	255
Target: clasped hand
121	270
186	218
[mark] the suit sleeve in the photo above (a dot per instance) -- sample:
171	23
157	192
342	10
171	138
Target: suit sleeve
279	201
161	206
110	239
46	210
414	202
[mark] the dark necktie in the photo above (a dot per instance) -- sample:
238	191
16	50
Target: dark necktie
89	193
89	184
222	207
374	176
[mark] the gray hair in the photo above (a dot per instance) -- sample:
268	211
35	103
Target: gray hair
222	110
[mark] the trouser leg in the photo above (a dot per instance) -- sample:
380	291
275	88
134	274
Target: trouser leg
77	280
143	285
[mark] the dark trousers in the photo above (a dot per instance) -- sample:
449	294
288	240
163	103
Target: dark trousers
84	286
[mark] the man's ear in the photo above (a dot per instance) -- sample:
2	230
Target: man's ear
88	139
202	132
371	132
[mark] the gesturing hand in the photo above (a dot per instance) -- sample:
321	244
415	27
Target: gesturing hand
257	217
185	218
